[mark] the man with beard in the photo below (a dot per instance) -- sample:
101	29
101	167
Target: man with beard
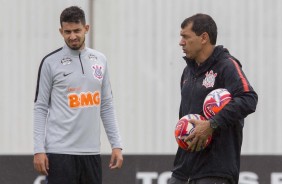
73	92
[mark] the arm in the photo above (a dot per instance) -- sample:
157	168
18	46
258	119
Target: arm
244	101
244	98
109	119
41	105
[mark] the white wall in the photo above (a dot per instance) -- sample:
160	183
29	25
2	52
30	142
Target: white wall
29	30
140	39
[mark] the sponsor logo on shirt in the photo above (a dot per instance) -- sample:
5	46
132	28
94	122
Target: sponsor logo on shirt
83	99
66	61
73	89
208	82
92	57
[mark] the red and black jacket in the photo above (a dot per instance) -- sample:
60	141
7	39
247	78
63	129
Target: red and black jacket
222	157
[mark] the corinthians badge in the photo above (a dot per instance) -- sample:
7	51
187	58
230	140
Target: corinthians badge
210	79
98	73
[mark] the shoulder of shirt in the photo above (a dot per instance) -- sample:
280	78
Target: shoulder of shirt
50	57
52	54
97	53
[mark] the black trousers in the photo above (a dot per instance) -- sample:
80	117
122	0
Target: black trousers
206	180
210	180
74	169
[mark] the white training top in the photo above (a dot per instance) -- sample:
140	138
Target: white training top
73	92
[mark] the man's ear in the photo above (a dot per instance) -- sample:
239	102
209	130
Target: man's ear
61	31
87	28
205	37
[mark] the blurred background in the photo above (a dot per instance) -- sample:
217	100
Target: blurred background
140	39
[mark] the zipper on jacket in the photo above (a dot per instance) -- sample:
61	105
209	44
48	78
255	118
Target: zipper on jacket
194	81
81	64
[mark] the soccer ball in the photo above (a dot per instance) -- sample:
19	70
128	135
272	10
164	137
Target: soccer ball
184	128
215	101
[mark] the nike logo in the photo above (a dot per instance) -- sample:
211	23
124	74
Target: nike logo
66	74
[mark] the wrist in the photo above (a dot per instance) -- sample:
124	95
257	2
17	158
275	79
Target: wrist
213	124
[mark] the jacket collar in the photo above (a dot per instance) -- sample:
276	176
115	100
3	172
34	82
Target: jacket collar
216	54
72	52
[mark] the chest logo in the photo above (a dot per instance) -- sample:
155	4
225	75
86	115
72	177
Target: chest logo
83	99
208	82
66	61
98	73
92	57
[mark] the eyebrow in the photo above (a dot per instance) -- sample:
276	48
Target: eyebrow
70	30
183	35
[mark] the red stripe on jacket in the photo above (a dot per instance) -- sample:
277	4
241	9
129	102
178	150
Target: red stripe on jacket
243	79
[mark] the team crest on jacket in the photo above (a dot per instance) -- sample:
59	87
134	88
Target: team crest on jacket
210	79
98	73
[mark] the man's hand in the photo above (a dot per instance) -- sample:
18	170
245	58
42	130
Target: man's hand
200	135
116	159
41	163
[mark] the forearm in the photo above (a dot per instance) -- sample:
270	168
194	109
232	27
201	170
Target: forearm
109	119
40	115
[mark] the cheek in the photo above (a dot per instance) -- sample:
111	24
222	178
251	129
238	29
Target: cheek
66	37
190	43
81	36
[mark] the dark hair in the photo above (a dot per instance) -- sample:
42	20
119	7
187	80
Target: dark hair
202	23
73	14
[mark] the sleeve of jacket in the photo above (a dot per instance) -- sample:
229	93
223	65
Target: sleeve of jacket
181	84
41	106
244	98
108	114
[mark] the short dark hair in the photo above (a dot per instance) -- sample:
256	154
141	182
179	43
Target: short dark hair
73	14
202	23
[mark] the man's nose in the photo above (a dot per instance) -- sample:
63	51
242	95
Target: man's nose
72	36
181	43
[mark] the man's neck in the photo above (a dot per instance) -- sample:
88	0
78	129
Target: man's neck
205	54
